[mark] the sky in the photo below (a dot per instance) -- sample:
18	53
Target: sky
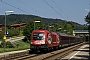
69	10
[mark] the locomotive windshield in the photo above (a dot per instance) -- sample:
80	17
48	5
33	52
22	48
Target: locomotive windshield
38	35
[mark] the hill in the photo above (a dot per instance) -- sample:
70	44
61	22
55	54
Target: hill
17	18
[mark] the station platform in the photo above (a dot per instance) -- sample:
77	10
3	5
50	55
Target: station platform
13	52
79	54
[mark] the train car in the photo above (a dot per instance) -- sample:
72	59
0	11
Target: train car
72	40
79	39
64	39
41	40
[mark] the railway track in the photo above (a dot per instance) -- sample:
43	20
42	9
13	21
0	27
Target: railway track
57	55
54	55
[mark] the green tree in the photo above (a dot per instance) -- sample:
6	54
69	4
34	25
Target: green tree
87	19
28	29
38	24
59	26
69	27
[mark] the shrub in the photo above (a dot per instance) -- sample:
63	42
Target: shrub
8	45
2	44
1	34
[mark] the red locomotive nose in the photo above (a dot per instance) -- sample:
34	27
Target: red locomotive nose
40	39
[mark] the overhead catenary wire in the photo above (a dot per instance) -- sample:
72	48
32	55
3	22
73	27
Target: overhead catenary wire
60	9
17	4
30	7
19	8
14	7
53	8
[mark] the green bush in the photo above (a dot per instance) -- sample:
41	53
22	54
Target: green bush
2	44
1	34
13	32
8	45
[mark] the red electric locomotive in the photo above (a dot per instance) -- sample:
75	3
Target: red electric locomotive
41	39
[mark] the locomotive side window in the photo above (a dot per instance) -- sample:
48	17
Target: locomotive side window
49	39
38	36
58	38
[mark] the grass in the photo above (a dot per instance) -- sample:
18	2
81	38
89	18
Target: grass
21	46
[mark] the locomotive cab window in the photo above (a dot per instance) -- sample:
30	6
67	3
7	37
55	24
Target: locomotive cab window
38	35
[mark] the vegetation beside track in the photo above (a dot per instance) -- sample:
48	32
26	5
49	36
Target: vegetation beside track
20	45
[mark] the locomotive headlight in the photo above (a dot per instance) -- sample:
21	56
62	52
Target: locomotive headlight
31	42
44	36
38	43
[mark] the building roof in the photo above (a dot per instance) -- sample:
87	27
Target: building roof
15	25
80	30
18	25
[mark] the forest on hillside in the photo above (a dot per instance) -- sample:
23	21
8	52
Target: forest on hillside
18	18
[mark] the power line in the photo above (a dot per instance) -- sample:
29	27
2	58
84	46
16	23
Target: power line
14	7
30	7
17	4
53	8
59	8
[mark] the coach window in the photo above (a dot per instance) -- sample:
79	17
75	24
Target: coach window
65	38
